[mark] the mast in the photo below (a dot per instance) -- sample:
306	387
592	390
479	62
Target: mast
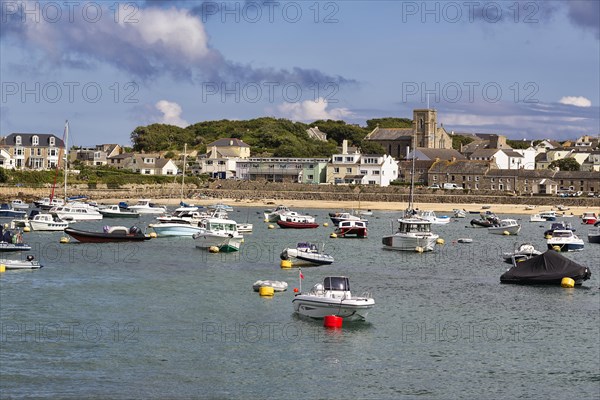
412	174
183	175
66	155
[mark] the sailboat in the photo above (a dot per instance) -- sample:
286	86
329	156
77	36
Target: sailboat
414	233
47	203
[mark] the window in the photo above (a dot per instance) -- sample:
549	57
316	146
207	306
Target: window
349	170
310	166
35	140
209	162
364	172
468	178
476	179
434	178
452	178
310	177
493	187
338	159
492	179
349	159
375	172
18	141
51	142
372	183
465	178
500	187
336	170
221	162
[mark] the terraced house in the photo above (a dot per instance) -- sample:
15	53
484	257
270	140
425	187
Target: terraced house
31	151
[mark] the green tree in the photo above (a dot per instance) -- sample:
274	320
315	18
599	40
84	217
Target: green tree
565	164
518	144
3	176
389	122
368	147
460	140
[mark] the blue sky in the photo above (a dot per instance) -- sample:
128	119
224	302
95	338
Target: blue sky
526	69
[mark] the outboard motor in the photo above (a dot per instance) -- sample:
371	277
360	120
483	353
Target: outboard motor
30	257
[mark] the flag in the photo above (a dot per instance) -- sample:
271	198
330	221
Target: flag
301	276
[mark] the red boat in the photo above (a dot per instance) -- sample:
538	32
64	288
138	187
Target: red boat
297	222
352	229
589	218
110	234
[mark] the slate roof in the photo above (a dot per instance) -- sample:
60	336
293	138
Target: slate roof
460	167
391	133
442	154
483	153
223	142
512	153
27	139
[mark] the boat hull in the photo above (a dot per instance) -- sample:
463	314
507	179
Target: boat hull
351	232
499	230
18	264
297	225
594	238
577	246
409	243
48	226
4	246
116	214
101	237
175	229
320	307
225	243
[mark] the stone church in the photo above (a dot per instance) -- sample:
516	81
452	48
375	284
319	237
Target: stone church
398	142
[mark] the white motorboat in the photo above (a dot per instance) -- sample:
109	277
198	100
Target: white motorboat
278	286
352	229
18	204
414	234
524	252
333	297
274	215
306	253
537	218
505	225
114	211
29	263
145	206
46	203
244	227
221	233
176	229
47	222
464	240
76	213
548	215
594	235
365	213
430	216
459	213
564	240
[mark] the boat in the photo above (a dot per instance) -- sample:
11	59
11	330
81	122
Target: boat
176	229
273	215
506	225
278	286
220	233
558	225
114	211
294	221
76	213
464	240
430	216
548	215
537	218
529	207
524	252
459	213
47	203
338	217
145	206
352	229
29	263
365	213
220	207
7	211
333	297
108	234
562	208
485	220
413	234
589	218
564	240
9	246
594	235
18	204
244	227
307	253
47	222
547	268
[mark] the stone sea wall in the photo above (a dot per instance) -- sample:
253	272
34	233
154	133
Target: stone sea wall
269	191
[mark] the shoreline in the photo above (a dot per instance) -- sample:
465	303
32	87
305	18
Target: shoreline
367	205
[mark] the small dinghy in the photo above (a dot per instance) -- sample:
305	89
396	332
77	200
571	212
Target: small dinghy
29	263
278	286
307	253
464	240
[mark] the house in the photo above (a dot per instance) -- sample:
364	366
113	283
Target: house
120	161
96	156
506	158
361	169
587	142
220	160
421	170
486	141
33	151
316	134
545	186
468	174
145	164
592	163
282	169
6	160
230	147
546	145
425	133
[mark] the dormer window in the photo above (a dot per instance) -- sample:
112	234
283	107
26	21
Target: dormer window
35	141
51	142
18	140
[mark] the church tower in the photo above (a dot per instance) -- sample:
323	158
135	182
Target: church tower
425	126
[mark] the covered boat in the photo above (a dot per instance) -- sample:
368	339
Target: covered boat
278	286
221	233
307	253
109	234
333	297
594	235
273	215
547	268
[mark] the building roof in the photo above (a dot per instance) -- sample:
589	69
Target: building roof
315	133
390	133
460	167
512	153
483	153
161	162
442	154
27	139
224	142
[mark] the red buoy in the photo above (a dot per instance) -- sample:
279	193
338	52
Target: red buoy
332	321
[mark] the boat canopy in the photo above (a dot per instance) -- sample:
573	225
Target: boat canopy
416	226
336	283
548	267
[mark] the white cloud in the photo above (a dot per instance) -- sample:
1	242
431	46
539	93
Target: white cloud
577	101
310	110
171	113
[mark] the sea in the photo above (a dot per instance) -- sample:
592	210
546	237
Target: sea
164	319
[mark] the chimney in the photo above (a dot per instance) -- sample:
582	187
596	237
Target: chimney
231	142
213	153
344	146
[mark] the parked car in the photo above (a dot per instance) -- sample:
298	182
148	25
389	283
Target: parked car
434	186
451	186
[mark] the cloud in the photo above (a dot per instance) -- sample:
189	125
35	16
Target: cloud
310	110
147	42
577	101
171	113
586	14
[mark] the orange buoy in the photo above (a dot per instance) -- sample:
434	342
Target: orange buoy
333	321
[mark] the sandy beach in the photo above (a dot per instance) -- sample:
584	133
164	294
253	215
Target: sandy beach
379	206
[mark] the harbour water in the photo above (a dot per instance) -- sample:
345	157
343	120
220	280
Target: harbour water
163	319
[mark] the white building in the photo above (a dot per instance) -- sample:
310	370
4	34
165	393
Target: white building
365	169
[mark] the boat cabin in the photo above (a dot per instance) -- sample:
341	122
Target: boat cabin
414	225
307	247
340	283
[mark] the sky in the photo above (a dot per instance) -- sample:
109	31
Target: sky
524	69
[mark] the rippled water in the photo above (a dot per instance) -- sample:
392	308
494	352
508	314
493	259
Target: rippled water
162	319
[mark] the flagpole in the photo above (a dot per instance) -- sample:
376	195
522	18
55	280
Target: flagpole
300	278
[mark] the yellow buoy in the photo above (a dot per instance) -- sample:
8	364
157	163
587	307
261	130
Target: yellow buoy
285	264
419	249
556	248
271	226
440	241
64	239
213	249
506	233
333	235
153	235
567	282
548	236
2	267
266	291
325	224
26	229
